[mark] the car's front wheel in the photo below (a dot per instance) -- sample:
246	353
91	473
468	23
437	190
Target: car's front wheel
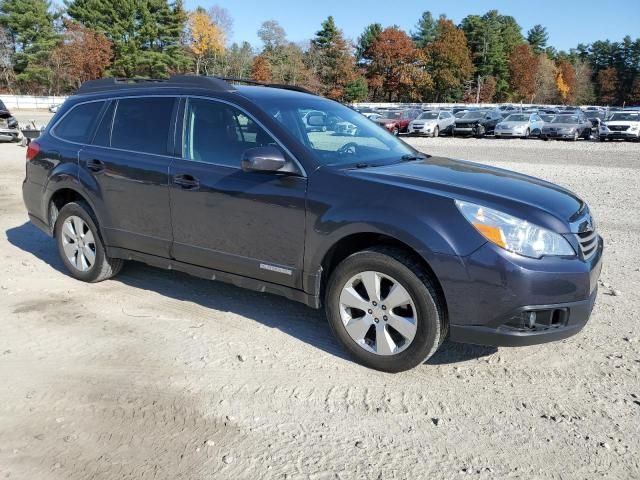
436	132
385	310
80	245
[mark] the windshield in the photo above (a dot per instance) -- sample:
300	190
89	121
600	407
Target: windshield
517	118
428	116
364	142
473	115
565	119
392	115
547	117
627	117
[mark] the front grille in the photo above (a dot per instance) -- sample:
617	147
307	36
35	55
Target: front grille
618	128
588	243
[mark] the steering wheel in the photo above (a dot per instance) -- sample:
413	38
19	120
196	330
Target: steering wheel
350	148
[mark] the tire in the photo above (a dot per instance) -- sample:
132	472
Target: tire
527	134
395	131
80	218
602	139
396	268
436	132
575	136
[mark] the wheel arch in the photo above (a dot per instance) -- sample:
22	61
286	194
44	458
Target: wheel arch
356	242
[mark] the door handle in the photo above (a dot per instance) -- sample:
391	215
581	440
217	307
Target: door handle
186	182
95	166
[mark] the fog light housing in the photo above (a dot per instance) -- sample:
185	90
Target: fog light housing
537	320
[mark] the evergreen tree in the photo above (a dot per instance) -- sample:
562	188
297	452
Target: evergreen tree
492	37
331	59
426	30
370	34
30	25
538	38
146	34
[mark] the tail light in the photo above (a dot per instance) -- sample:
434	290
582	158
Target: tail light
32	150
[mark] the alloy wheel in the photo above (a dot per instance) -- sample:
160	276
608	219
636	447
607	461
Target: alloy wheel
78	243
378	313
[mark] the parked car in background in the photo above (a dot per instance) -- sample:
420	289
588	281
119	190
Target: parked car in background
432	123
621	125
397	121
568	126
478	123
54	108
522	125
9	128
367	112
547	117
345	128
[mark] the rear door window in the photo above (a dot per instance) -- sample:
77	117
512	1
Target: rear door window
143	124
78	125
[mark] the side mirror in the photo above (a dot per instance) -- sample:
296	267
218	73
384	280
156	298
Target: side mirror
316	119
263	159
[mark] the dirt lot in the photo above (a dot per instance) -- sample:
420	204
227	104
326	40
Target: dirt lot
158	375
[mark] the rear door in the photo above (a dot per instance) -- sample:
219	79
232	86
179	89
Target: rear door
247	223
128	164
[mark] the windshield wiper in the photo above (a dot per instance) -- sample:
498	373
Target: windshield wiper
409	157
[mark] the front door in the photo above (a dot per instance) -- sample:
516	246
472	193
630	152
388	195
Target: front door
248	223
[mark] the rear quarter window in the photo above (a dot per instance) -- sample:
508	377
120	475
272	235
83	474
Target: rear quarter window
78	124
143	124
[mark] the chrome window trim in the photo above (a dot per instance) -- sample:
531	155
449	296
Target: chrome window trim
51	129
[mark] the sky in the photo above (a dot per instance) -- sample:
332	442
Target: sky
568	22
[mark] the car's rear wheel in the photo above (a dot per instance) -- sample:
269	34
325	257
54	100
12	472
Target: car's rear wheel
385	310
80	245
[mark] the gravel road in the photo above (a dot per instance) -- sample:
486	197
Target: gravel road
157	375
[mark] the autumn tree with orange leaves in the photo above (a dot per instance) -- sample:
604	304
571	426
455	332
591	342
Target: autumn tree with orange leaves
449	61
398	69
523	69
566	81
206	38
260	71
82	55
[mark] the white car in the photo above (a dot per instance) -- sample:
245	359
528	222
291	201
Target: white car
345	128
623	125
432	123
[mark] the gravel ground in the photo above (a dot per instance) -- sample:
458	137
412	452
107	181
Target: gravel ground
158	375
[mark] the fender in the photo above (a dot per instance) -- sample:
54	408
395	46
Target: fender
70	176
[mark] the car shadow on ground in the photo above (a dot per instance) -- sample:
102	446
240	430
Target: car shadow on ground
295	319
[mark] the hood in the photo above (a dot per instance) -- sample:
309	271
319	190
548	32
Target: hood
520	195
514	123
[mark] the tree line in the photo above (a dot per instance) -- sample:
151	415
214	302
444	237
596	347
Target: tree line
486	58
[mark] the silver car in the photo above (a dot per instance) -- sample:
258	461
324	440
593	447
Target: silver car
521	125
432	123
570	126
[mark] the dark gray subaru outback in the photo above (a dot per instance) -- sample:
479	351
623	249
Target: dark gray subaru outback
254	185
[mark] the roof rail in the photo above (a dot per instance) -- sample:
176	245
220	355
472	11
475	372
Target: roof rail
295	88
115	83
218	84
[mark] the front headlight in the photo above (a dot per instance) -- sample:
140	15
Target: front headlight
514	234
4	123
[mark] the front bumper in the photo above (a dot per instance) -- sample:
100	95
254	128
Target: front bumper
620	135
509	133
492	293
565	135
10	134
576	316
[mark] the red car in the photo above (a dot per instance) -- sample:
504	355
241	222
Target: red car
397	121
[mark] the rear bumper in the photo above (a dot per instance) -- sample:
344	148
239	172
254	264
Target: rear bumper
578	314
